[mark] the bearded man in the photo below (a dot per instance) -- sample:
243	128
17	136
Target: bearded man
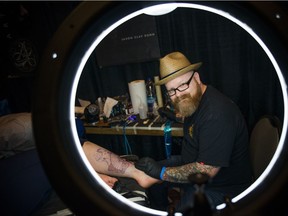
215	141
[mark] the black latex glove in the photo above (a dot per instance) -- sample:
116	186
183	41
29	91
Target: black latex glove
149	166
165	112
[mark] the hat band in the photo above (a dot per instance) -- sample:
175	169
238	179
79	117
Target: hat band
173	72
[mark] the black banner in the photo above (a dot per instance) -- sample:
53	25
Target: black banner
134	41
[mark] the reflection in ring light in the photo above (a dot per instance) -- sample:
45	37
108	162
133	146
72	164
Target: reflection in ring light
154	10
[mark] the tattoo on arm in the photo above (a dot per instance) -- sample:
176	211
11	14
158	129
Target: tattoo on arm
180	174
114	162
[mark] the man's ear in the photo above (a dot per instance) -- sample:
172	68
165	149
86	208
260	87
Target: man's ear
197	77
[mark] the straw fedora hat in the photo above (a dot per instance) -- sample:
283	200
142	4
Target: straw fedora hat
174	65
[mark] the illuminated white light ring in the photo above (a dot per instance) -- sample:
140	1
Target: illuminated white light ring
157	11
173	6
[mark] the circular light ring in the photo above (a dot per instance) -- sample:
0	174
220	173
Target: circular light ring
66	61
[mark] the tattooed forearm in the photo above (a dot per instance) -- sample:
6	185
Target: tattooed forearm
180	174
114	163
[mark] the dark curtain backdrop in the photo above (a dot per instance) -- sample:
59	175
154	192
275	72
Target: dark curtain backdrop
233	62
34	22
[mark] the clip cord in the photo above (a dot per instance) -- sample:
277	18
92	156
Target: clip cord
126	142
168	139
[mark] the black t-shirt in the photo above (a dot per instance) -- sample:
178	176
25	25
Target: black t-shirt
216	134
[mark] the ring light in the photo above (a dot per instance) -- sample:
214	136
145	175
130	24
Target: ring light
53	112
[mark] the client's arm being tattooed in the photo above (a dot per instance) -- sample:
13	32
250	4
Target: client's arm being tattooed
114	163
106	162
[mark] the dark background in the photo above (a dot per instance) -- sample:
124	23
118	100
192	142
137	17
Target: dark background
34	23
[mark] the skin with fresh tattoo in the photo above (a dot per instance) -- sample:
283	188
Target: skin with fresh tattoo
180	174
105	162
114	163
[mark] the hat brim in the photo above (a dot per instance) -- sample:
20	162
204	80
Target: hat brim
179	73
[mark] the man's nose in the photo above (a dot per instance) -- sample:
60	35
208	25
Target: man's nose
178	93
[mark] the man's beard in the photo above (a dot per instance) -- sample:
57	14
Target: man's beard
188	106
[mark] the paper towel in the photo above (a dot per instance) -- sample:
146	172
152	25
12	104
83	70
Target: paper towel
84	103
108	106
137	90
158	92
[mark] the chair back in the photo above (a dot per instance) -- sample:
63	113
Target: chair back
264	140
